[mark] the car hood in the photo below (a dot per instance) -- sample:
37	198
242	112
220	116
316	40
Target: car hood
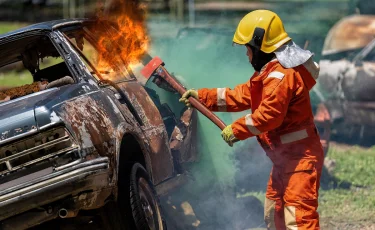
18	117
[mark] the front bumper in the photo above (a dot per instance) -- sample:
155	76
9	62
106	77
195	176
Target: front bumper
63	182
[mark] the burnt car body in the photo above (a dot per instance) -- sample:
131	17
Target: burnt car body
72	146
346	82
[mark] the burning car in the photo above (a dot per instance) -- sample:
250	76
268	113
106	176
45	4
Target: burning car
346	82
77	135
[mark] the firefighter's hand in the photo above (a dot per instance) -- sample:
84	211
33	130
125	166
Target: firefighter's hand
189	93
228	136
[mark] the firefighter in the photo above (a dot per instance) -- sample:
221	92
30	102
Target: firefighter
281	118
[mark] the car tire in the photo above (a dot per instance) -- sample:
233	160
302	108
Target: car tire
127	213
144	203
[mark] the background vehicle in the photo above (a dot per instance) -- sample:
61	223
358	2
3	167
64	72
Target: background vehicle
346	82
76	136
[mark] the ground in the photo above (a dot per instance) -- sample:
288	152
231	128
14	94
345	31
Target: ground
347	195
350	203
346	202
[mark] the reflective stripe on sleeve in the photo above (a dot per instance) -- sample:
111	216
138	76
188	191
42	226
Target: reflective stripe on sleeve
250	125
294	136
276	74
221	102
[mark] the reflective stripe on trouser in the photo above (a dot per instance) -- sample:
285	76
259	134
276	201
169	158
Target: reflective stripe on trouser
269	213
292	200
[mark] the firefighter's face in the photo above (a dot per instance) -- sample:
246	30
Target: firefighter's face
249	53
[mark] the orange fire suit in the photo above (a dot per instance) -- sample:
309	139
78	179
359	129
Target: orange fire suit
282	121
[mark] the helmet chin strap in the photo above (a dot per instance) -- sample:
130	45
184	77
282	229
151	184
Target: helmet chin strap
260	58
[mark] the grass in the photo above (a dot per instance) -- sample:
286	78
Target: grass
6	27
354	164
353	205
14	78
357	166
352	208
18	78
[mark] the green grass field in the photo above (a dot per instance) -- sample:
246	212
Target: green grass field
348	207
9	26
355	206
13	78
20	77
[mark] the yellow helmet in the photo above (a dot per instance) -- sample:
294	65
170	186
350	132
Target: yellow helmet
262	29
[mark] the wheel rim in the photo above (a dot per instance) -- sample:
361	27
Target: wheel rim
149	205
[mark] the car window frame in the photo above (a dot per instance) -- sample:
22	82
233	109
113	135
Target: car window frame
361	56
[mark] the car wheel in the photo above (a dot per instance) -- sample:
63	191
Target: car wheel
137	206
144	203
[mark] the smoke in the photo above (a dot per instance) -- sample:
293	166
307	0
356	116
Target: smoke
218	192
201	59
206	58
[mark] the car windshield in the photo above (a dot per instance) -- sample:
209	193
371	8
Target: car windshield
29	65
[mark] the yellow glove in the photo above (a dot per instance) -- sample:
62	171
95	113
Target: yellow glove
187	94
228	136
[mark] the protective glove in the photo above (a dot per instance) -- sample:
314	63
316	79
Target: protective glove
189	93
228	136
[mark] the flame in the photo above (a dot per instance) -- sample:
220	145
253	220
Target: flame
127	40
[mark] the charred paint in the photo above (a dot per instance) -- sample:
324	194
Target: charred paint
153	129
143	103
92	200
91	125
183	140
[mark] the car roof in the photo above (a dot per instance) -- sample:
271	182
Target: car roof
13	43
351	32
42	28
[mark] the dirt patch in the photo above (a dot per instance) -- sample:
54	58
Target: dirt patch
22	90
338	225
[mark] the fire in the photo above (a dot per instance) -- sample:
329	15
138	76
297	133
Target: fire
129	41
